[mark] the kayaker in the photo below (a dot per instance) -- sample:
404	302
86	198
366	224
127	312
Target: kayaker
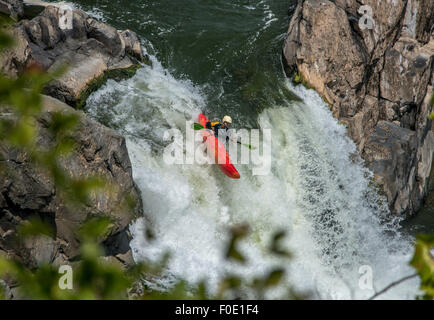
216	126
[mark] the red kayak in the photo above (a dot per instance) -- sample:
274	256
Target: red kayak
217	150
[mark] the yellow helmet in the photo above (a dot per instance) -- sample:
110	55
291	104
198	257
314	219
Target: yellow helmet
227	119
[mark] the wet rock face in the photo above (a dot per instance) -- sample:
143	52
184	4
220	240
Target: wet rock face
387	151
375	79
27	192
90	49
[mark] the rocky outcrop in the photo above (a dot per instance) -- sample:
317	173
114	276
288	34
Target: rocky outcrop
378	81
91	51
12	8
27	192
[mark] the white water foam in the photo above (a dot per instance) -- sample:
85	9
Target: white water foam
339	223
316	191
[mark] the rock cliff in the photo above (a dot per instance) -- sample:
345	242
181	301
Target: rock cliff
92	51
374	65
28	192
89	49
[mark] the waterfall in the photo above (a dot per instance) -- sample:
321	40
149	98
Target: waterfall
318	191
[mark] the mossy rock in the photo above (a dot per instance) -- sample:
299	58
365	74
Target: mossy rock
297	79
116	74
6	21
146	60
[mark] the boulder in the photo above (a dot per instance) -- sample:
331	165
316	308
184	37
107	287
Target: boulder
12	8
132	44
373	77
386	153
91	51
27	191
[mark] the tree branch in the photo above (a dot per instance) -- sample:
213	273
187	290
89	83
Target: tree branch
392	285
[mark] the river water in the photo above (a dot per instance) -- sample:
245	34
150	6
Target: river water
224	57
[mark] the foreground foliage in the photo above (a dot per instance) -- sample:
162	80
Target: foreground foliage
423	262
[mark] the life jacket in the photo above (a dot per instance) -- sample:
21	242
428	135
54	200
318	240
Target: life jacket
209	124
215	126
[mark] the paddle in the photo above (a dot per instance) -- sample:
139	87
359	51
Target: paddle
198	126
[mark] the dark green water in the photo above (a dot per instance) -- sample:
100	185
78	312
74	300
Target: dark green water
231	49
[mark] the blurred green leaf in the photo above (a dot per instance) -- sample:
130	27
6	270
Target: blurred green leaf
62	123
423	262
65	147
237	233
6	41
202	291
6	266
274	277
23	133
276	244
2	292
231	282
197	126
80	190
35	227
95	228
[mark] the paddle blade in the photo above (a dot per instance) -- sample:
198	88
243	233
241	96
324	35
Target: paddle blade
247	145
197	126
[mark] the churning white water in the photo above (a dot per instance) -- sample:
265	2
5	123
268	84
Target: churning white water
317	190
